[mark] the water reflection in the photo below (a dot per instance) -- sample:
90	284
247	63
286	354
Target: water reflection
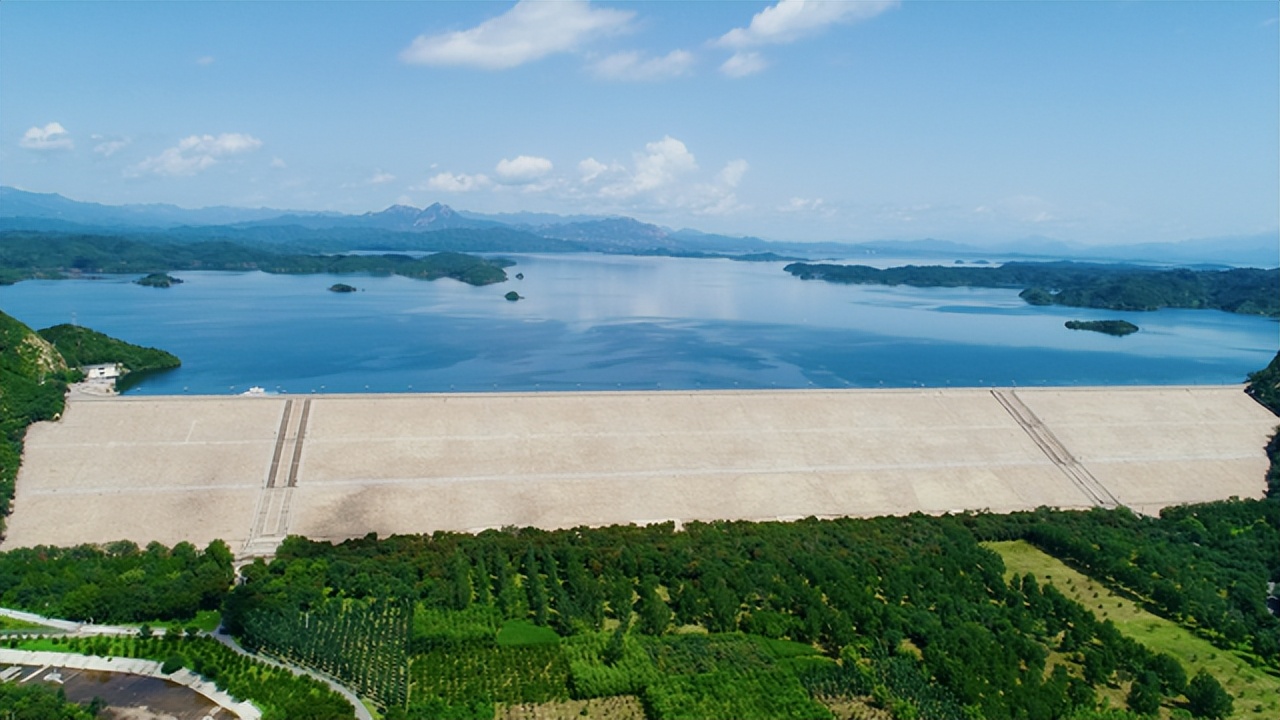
610	322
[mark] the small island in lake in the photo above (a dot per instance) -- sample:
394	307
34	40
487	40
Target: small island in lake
158	280
341	288
513	296
1119	328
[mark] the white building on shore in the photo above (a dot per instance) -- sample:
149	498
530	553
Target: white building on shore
104	372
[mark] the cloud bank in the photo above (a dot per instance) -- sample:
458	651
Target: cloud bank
196	153
634	66
50	137
791	20
527	32
522	170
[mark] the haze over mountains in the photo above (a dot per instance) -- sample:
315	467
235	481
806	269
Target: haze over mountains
408	227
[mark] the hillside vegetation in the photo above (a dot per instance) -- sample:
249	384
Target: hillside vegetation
1248	291
25	255
80	346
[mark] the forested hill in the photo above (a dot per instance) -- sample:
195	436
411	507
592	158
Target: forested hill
81	346
1248	291
26	255
1264	385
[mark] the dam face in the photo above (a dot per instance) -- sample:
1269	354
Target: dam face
250	470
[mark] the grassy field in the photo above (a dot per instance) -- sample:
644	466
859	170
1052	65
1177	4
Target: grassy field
1256	693
8	624
41	644
523	632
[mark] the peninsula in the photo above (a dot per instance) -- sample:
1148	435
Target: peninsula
1247	291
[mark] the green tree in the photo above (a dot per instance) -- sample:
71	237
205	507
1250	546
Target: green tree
1206	698
655	616
1144	694
1173	678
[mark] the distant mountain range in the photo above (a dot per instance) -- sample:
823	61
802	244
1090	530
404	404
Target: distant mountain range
438	226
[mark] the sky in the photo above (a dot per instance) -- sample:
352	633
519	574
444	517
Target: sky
1089	122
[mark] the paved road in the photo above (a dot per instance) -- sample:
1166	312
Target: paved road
68	626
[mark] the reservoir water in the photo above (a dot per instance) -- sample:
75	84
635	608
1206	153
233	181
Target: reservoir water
604	322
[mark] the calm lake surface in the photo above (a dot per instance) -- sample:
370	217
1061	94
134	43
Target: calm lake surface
596	322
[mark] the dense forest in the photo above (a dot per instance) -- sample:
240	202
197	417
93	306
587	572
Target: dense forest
1247	291
26	255
119	583
766	620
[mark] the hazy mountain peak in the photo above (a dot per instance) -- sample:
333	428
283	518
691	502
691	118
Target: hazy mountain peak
396	211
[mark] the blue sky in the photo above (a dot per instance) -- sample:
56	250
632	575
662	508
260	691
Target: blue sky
1093	122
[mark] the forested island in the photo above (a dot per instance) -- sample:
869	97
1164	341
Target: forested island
158	280
1248	291
342	288
25	255
1119	328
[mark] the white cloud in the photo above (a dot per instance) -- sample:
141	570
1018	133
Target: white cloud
808	206
590	169
742	64
661	178
107	147
196	153
529	31
661	163
717	198
732	173
50	137
635	66
279	163
799	205
522	170
460	183
379	177
204	60
790	20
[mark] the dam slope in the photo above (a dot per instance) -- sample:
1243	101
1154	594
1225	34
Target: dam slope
250	470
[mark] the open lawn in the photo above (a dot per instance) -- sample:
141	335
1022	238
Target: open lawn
1257	693
523	632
